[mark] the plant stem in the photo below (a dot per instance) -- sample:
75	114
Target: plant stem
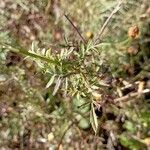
25	52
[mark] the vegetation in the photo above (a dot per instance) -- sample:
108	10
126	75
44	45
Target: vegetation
74	77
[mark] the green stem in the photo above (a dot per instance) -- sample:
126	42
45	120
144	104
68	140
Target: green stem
25	52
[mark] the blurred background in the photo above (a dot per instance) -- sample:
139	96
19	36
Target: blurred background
27	120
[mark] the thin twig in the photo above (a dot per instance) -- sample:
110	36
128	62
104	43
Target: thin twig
64	135
131	95
115	10
130	85
76	29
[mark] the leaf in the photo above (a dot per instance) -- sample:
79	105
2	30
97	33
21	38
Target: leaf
43	51
84	123
130	126
66	86
93	119
58	83
50	82
48	53
89	45
82	50
33	47
62	53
